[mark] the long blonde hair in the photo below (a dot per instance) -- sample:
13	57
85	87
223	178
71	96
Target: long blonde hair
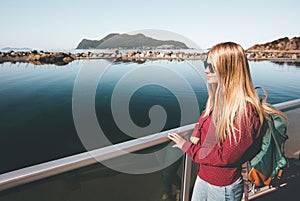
229	97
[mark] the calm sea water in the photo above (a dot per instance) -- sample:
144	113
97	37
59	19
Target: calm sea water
37	120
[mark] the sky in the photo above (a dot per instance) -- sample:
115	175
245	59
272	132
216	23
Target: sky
62	24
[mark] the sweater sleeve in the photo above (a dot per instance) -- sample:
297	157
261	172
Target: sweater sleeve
229	152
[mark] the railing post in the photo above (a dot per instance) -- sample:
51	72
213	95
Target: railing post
186	178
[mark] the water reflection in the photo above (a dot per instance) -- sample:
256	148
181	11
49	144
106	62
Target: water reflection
290	63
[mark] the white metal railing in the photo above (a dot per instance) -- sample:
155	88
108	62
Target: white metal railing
40	171
287	104
44	170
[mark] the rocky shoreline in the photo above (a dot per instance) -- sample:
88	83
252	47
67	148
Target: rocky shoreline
63	58
37	58
274	55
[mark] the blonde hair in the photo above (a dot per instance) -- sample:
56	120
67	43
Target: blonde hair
229	97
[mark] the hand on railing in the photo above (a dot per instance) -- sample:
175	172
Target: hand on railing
179	141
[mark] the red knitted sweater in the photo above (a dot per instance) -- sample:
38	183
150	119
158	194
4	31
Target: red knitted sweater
221	165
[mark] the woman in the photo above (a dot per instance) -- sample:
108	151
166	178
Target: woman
228	129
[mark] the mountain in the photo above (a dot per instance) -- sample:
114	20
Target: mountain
282	44
92	44
126	41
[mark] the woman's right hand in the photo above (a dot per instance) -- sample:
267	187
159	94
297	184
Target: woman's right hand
179	141
194	140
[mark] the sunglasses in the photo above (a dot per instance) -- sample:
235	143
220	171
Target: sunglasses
209	66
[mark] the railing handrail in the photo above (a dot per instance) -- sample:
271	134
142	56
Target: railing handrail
54	167
40	171
287	104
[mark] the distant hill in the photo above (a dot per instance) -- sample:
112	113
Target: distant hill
125	41
92	44
282	44
16	49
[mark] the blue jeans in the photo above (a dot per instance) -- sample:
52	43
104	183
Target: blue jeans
205	191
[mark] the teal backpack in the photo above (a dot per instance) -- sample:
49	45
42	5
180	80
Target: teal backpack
269	162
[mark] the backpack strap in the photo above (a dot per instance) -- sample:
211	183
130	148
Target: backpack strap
245	166
265	96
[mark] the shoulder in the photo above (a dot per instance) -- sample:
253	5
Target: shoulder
251	110
253	118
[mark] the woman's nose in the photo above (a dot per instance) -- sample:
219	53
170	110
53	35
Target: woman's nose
207	70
